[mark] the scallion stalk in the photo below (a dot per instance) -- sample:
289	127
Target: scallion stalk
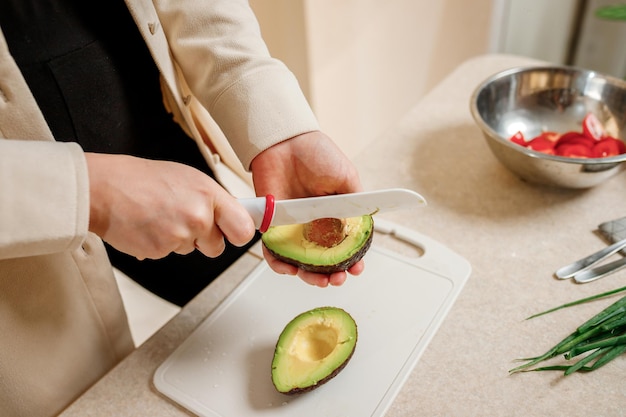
603	336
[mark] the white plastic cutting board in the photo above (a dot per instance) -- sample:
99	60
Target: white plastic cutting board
398	303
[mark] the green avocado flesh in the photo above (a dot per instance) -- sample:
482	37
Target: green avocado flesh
288	244
313	348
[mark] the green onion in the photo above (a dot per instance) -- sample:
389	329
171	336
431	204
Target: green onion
602	337
581	301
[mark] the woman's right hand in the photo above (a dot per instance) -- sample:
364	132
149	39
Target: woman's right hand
149	208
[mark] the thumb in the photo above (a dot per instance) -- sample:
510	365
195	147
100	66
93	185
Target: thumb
233	220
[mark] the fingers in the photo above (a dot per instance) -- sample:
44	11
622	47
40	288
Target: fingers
357	268
211	239
230	222
278	266
319	280
233	220
211	244
322	280
185	248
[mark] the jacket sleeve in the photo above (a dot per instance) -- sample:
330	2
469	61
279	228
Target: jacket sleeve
255	99
44	204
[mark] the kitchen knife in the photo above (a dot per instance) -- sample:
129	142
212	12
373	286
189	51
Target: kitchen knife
266	211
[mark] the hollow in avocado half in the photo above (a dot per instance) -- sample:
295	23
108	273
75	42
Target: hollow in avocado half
324	245
312	349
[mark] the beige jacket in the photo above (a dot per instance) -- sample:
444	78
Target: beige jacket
61	317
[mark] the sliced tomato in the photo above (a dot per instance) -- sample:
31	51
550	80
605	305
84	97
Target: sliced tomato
620	144
574	150
608	146
576	138
518	138
593	142
575	145
551	136
541	144
592	127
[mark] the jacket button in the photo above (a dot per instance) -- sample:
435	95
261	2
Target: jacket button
152	27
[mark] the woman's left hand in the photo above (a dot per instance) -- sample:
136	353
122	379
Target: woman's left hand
307	165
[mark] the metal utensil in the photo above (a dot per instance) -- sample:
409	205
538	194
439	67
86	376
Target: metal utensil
580	268
593	274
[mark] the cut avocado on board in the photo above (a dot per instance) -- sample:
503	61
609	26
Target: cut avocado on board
314	347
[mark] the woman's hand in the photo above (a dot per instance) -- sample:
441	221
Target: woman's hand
149	209
307	165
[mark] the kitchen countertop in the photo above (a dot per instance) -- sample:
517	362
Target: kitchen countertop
514	234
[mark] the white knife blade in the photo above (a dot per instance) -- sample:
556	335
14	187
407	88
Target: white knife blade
265	211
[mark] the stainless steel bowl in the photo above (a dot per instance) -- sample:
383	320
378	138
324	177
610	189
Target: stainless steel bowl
550	98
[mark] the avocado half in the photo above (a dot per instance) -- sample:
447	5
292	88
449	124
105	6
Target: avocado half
312	349
311	249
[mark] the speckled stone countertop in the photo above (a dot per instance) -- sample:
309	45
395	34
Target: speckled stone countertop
514	234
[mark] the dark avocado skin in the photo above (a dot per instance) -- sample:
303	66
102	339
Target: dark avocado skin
327	269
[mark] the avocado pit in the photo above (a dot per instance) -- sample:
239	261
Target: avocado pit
326	232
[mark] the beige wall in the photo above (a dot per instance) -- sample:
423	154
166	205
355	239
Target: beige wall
364	63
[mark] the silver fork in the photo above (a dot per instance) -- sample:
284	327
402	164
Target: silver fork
581	269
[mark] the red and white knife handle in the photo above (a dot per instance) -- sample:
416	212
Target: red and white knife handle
261	209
